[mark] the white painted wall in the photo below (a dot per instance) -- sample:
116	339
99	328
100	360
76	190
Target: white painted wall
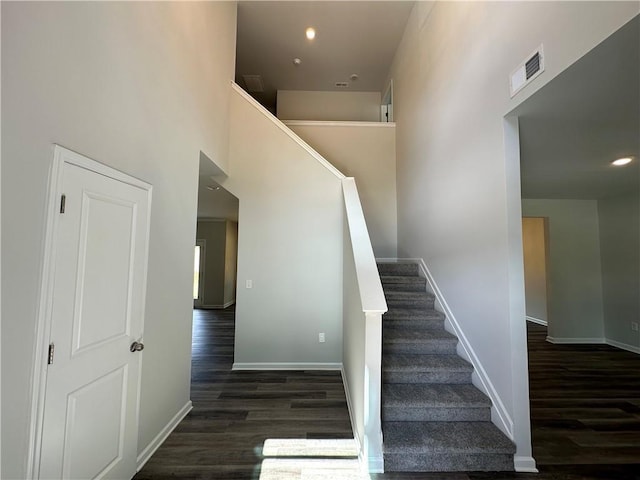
620	254
367	152
535	266
575	274
141	87
313	105
289	244
456	203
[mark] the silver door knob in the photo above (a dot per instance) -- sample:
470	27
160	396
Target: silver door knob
136	347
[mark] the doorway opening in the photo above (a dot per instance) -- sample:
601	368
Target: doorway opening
386	108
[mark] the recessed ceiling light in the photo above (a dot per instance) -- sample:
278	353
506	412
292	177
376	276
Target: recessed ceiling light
297	61
310	33
353	77
213	188
622	161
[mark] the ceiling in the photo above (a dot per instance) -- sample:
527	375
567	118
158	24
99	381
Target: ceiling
583	119
358	37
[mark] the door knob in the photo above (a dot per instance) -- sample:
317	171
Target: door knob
136	347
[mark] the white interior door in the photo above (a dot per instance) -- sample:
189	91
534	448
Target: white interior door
90	423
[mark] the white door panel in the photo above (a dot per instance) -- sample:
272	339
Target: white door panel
90	422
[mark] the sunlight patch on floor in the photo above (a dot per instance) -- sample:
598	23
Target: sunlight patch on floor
311	459
311	469
302	447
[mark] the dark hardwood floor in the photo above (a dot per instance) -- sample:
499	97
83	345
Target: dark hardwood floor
585	404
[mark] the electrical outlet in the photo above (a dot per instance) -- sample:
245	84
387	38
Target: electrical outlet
634	326
249	284
321	338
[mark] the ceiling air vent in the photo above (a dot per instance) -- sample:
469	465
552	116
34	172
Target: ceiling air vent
527	71
253	83
342	84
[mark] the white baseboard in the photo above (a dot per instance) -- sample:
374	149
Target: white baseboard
499	414
371	465
577	340
287	366
150	449
524	464
623	346
536	320
216	307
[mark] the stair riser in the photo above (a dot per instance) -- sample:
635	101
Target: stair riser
415	303
427	324
440	414
425	462
409	314
398	269
426	377
403	287
445	347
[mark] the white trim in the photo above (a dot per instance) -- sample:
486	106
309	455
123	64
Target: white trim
372	296
576	340
215	307
372	464
499	414
287	366
536	320
333	123
159	439
524	464
347	394
62	155
622	346
288	131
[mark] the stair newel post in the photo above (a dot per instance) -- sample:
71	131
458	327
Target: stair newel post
373	392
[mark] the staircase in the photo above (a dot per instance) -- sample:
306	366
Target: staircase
433	418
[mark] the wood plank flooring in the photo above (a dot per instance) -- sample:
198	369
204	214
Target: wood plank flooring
294	425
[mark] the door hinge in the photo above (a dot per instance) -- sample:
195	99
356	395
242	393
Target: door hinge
63	201
52	348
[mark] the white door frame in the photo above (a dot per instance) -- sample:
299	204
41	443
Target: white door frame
202	243
61	156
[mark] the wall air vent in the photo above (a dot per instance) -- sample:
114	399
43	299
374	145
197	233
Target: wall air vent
253	83
527	71
342	84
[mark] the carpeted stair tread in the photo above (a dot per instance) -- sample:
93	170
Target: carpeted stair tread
421	363
398	269
415	335
433	418
418	341
445	437
409	368
413	318
409	299
403	283
408	395
399	313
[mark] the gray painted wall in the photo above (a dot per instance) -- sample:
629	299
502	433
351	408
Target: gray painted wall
141	87
575	275
317	105
289	245
214	233
620	255
367	153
